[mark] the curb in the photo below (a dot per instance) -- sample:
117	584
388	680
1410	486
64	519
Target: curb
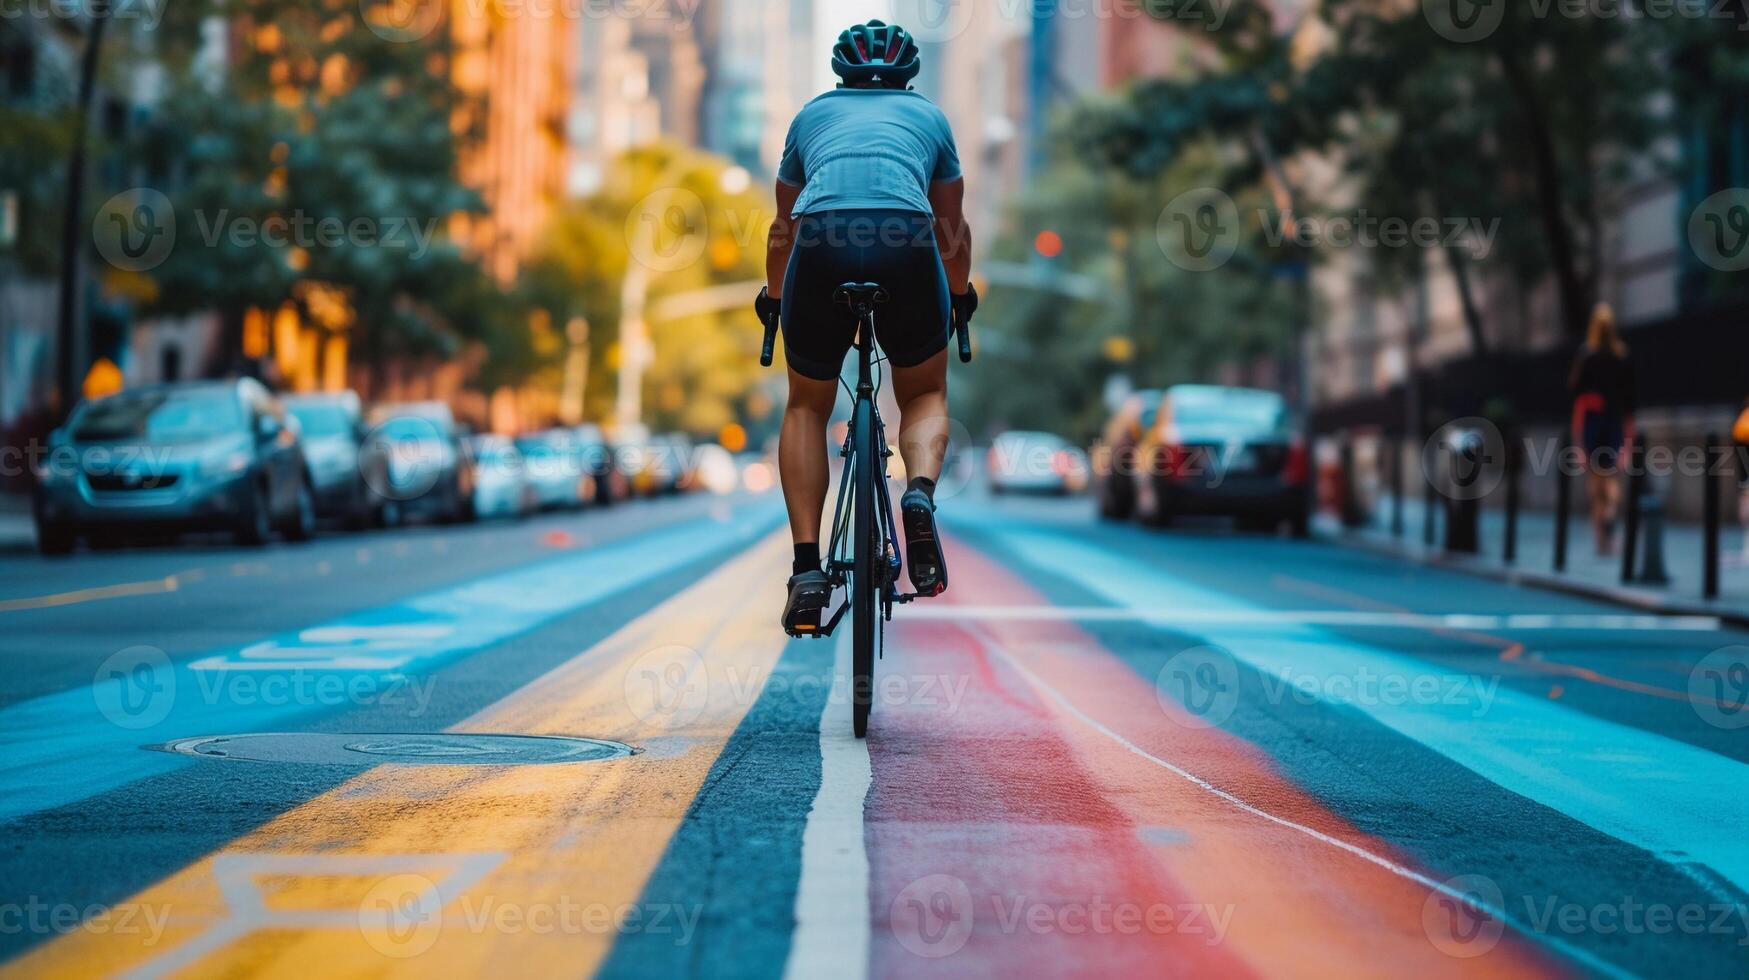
1640	599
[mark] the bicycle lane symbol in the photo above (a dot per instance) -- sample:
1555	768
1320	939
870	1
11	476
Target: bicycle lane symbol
400	916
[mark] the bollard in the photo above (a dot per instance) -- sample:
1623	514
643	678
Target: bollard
1429	503
1710	531
1631	526
1397	489
1349	507
1514	459
1462	509
1563	509
1652	570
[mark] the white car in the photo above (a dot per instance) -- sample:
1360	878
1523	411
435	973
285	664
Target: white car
554	470
1035	462
501	487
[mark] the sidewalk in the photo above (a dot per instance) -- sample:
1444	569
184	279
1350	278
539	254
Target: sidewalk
1586	574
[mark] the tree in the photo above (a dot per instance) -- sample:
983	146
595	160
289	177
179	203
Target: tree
701	236
326	153
1500	125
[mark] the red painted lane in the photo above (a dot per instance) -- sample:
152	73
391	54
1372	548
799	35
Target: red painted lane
1008	837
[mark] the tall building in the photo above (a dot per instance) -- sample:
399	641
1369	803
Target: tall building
638	80
758	71
518	70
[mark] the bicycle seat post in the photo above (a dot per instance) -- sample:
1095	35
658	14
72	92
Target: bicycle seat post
862	298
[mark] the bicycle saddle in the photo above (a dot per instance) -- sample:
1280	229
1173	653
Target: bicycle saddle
860	294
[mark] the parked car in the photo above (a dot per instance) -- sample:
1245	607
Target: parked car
194	456
427	473
345	468
1231	452
601	462
501	486
1113	462
1034	462
554	469
673	454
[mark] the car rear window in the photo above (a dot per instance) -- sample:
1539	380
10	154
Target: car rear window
1250	409
321	420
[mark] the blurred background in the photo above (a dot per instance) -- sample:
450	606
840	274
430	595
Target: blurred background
553	212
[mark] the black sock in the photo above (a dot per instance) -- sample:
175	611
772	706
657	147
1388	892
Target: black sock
924	484
807	558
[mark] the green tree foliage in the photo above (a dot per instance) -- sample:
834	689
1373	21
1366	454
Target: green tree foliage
322	124
1535	123
706	364
1045	358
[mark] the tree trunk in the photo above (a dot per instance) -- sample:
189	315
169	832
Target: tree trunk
1460	270
1570	284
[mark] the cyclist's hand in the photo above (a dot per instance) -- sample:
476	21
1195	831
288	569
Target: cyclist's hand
769	310
965	304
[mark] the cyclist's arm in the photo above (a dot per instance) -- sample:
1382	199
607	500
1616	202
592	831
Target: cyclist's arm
952	234
782	238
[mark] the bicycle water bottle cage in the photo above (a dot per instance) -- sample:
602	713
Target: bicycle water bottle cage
861	297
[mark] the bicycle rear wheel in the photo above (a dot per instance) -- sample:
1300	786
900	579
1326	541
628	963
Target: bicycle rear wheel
865	584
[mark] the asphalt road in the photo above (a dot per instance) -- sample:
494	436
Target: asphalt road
1106	751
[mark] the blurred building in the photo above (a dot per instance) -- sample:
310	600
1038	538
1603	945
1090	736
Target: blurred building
639	79
757	57
518	71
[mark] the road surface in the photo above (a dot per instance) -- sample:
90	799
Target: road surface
1106	751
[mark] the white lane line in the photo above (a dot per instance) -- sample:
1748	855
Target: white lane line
1194	616
831	937
1565	948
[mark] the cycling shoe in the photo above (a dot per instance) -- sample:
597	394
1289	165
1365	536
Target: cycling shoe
809	593
922	547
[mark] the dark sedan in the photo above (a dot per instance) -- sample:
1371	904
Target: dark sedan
202	456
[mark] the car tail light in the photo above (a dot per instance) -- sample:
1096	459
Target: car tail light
1295	469
1174	460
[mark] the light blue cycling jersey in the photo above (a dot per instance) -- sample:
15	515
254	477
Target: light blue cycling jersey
868	148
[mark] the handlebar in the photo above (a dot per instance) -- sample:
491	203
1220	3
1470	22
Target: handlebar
965	332
770	342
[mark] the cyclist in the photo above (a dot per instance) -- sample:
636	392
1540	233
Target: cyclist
868	186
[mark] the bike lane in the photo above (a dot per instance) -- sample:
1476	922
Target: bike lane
1057	816
522	870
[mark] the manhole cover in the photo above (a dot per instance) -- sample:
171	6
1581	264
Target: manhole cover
438	749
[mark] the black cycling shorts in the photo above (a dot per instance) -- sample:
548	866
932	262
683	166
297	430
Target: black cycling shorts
894	248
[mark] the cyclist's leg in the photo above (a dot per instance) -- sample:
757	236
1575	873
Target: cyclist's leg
801	454
921	391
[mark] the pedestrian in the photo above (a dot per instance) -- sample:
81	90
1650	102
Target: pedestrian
1604	401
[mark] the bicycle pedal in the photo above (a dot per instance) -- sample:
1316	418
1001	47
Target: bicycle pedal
805	622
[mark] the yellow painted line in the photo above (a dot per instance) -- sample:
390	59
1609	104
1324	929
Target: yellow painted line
156	586
519	872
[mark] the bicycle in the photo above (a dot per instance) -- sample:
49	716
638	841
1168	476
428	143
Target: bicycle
863	556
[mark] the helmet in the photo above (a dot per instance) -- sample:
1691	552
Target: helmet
876	52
